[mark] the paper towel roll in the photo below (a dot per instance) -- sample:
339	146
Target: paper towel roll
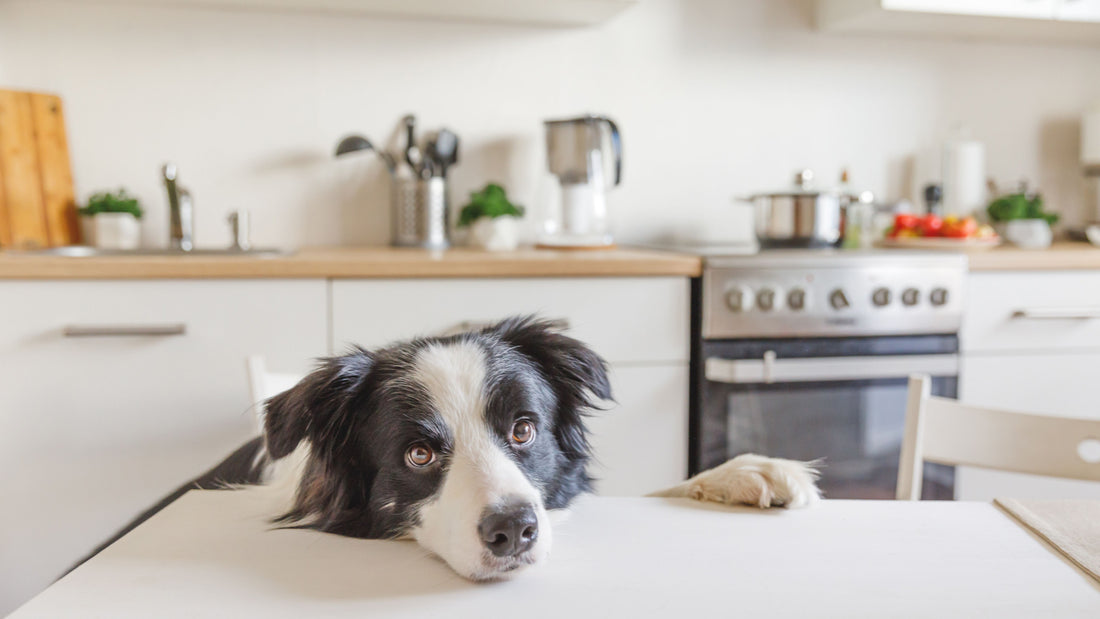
1090	141
964	188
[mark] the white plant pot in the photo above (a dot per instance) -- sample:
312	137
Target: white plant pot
116	231
1028	233
495	233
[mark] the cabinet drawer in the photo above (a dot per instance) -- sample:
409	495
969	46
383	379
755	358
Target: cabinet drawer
624	319
147	391
1032	311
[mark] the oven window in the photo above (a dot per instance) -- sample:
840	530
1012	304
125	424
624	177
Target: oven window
855	427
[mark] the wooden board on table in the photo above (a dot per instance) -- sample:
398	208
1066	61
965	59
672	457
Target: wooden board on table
37	206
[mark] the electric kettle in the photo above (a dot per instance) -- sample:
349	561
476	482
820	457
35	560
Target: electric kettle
585	158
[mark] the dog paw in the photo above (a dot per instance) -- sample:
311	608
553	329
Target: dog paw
750	479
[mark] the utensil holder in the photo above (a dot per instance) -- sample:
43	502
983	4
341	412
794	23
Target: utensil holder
420	213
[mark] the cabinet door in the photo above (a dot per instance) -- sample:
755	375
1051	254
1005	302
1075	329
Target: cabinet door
640	444
1034	9
1079	10
95	429
1052	384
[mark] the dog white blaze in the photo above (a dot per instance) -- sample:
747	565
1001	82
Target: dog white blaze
480	474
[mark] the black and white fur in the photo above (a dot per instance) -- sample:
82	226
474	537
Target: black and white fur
342	451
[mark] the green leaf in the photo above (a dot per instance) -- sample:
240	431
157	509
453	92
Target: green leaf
1019	206
107	202
492	201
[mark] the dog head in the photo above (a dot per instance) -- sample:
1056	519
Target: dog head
462	443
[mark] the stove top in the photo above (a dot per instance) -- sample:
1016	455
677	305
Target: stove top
750	293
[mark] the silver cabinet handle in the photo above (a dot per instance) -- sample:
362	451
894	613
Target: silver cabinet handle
1057	313
125	330
813	369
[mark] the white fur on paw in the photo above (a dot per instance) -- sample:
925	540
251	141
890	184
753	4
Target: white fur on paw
750	479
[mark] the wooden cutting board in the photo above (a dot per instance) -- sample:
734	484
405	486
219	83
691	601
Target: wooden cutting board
37	206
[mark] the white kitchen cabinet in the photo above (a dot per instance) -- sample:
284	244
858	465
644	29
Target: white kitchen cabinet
1031	343
1061	21
626	320
545	12
95	429
640	443
640	325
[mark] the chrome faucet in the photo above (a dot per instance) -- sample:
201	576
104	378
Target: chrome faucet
181	221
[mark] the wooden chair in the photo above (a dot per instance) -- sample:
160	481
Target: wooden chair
263	384
945	431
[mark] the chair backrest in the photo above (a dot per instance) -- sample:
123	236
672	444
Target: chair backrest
947	432
263	384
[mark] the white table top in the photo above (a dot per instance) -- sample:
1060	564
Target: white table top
209	555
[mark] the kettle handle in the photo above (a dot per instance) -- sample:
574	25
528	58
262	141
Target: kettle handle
617	146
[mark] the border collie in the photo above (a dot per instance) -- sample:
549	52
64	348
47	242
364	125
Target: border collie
462	443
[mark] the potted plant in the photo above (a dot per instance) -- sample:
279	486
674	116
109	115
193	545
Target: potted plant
1022	220
492	219
114	220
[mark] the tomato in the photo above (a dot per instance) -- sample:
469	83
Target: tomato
960	229
930	225
905	221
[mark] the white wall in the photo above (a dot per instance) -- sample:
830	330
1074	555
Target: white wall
714	98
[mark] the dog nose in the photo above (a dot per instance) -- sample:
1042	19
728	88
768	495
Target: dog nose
509	531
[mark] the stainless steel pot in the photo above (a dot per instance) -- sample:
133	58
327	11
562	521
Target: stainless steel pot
801	216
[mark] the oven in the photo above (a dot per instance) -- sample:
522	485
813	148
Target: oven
838	400
808	358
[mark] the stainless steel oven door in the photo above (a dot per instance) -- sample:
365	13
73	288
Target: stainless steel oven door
824	401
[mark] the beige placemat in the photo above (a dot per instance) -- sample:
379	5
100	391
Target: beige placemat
1071	526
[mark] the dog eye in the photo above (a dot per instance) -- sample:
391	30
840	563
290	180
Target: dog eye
419	456
523	432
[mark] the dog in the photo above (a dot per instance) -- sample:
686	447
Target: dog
463	443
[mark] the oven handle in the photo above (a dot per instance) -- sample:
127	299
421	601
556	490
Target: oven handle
814	369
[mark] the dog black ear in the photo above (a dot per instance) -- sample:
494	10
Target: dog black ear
316	405
575	371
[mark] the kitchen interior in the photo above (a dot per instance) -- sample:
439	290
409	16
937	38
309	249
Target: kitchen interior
765	215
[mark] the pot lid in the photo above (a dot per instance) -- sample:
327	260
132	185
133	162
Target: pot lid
803	186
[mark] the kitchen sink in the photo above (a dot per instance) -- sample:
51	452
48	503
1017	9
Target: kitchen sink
84	251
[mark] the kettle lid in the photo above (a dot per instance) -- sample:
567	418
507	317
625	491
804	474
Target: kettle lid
584	118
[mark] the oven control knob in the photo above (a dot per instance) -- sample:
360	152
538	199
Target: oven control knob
740	299
938	297
796	299
910	296
838	299
881	297
765	299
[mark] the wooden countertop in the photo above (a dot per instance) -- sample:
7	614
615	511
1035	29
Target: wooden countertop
359	262
1064	255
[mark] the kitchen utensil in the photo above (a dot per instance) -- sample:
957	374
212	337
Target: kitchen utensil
585	157
412	151
355	143
418	191
801	216
37	205
443	150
